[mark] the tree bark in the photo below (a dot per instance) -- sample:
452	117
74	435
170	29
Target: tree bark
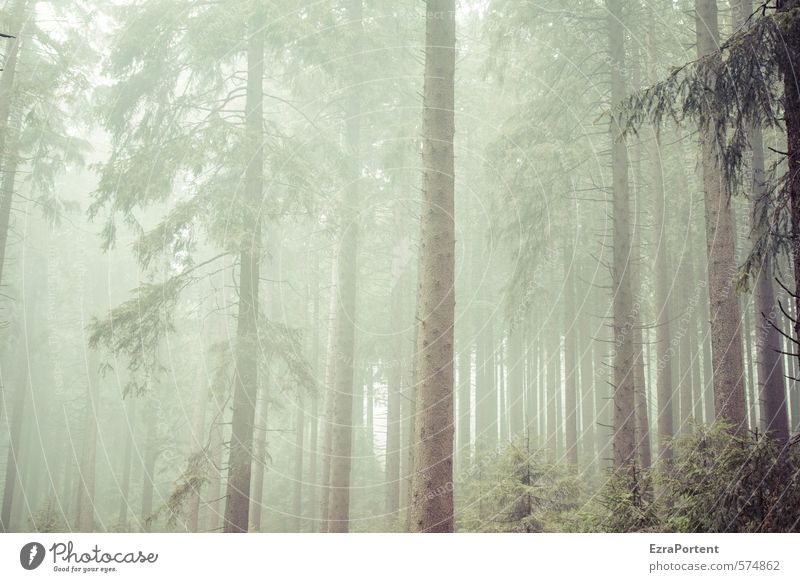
151	452
259	459
516	380
344	344
432	487
726	343
772	387
86	489
13	476
662	272
299	446
624	387
394	416
127	456
570	360
245	387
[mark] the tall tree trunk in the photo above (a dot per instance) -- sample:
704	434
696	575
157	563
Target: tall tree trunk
726	343
151	451
662	273
394	418
588	387
552	353
327	422
245	387
215	446
197	439
86	488
789	59
344	344
299	445
9	70
14	423
464	405
432	489
516	379
127	456
772	388
624	388
570	360
485	387
259	459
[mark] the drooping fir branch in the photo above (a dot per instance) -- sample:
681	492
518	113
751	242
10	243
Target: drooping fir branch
736	87
134	329
731	90
285	343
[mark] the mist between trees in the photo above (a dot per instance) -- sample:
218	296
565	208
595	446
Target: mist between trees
411	266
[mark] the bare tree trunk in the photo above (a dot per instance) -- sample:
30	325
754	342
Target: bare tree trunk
570	360
197	439
624	387
299	438
772	387
662	273
151	452
245	387
259	459
125	483
726	343
516	380
464	404
394	417
215	446
327	424
789	57
7	78
86	488
485	387
432	488
588	385
13	475
344	344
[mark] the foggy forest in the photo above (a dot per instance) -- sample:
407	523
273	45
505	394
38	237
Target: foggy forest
408	266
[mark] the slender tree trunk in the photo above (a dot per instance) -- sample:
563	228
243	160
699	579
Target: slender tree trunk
86	489
394	417
197	439
485	386
313	436
464	406
662	271
342	430
299	445
516	379
624	381
259	459
327	425
13	475
127	456
570	361
245	387
552	385
215	450
588	389
789	58
151	452
772	388
432	488
7	78
726	343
